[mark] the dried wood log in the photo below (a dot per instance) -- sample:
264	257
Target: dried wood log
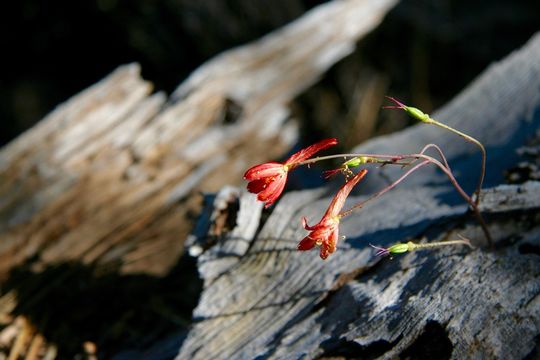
269	301
105	179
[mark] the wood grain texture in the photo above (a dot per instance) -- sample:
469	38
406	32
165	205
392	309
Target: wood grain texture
108	177
275	302
107	184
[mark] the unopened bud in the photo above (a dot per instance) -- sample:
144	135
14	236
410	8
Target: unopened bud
412	111
354	162
399	248
418	114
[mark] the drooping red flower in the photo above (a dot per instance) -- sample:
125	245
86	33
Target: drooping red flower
268	179
326	233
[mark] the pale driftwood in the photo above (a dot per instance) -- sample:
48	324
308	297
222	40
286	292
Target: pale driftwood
274	302
106	177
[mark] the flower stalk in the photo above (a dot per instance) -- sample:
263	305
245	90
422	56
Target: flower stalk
425	118
268	182
396	160
326	232
268	179
400	248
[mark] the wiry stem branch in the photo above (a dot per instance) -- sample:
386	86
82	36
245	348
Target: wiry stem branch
475	142
395	158
442	243
386	189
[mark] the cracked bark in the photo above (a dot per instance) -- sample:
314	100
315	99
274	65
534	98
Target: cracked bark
270	301
106	181
109	172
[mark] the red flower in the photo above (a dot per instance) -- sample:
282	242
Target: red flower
268	179
326	233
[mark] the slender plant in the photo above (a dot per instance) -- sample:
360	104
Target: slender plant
268	180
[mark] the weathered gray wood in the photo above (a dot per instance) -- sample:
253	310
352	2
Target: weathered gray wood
511	198
108	178
276	302
105	177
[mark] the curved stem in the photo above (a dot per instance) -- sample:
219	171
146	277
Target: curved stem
427	159
473	204
475	142
381	192
446	169
397	157
438	149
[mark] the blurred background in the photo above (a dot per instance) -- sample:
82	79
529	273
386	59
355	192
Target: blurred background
424	52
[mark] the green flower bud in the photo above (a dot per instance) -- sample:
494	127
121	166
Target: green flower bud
418	114
412	111
354	162
398	248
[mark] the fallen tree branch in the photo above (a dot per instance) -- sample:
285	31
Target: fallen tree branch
277	302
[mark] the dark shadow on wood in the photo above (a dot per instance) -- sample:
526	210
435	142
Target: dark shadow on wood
348	349
433	343
529	248
71	303
311	294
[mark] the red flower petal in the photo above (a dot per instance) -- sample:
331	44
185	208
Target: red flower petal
339	199
273	190
323	230
260	171
306	244
329	246
256	186
306	226
324	251
326	232
332	240
308	152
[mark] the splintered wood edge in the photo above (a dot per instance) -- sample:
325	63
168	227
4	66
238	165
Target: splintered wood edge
243	314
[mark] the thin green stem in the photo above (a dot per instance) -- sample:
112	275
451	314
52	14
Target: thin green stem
445	169
322	158
400	248
439	151
374	159
473	204
475	142
397	157
386	189
441	243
